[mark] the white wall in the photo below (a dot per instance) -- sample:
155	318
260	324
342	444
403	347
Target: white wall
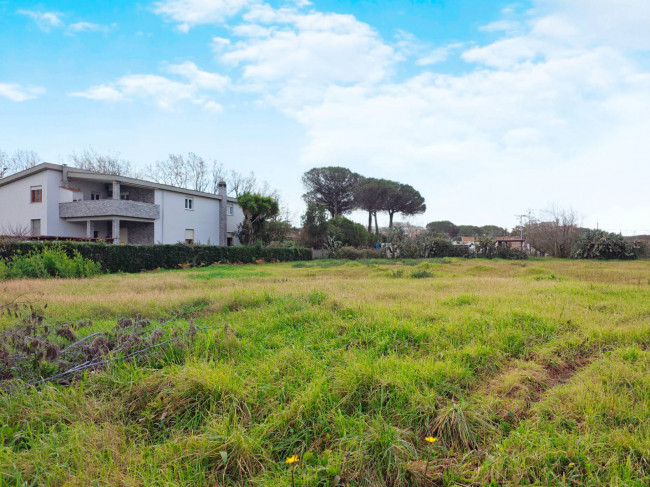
175	219
55	225
233	221
16	208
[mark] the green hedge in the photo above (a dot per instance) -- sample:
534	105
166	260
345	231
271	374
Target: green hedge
135	258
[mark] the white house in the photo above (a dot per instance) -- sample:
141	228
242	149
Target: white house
60	201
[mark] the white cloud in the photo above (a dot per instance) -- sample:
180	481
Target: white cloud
508	26
439	54
89	27
44	20
544	114
190	13
550	111
16	92
100	92
165	93
198	78
295	56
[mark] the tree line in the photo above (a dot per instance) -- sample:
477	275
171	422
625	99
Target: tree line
341	191
445	228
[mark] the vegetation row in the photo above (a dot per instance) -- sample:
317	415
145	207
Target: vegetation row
131	258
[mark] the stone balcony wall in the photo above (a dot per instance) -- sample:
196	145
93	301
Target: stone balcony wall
109	207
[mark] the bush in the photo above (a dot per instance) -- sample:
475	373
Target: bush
50	261
135	258
352	253
349	233
597	244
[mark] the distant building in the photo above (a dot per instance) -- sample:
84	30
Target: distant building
60	201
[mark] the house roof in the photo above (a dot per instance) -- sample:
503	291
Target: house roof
74	172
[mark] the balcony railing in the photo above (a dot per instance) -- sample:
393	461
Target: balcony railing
109	208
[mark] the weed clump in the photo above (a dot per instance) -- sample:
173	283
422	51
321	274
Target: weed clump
50	261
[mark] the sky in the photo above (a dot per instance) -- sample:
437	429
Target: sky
489	108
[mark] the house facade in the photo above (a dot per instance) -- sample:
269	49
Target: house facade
60	201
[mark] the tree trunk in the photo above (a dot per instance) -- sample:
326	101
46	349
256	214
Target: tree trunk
390	221
369	221
376	226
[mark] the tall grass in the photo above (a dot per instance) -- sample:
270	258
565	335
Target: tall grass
522	380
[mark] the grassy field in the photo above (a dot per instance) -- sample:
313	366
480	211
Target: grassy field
527	373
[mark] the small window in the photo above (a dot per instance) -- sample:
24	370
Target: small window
189	236
94	196
95	234
189	203
37	195
124	196
36	228
230	210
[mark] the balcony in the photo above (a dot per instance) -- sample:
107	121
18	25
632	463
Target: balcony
109	208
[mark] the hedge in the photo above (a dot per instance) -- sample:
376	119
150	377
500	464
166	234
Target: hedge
135	258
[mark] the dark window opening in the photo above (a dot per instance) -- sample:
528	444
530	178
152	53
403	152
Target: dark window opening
37	195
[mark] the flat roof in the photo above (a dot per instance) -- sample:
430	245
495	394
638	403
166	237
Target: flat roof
76	173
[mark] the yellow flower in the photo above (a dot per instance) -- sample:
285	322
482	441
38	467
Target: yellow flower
292	459
430	439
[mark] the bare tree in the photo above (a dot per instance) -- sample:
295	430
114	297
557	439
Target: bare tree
217	174
199	172
239	184
15	231
556	233
19	161
91	160
191	172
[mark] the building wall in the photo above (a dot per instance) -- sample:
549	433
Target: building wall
16	209
140	233
89	187
175	219
233	221
55	225
138	194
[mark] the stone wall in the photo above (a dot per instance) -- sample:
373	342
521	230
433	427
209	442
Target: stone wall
98	208
140	233
138	194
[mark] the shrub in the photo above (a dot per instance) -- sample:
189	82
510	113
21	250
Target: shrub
135	258
349	233
597	244
351	253
50	261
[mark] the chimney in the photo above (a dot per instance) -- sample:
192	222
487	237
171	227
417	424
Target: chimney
223	214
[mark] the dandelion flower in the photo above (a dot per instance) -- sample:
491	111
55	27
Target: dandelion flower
430	439
291	459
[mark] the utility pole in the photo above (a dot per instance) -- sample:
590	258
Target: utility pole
521	224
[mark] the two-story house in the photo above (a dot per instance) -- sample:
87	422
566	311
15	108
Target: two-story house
61	201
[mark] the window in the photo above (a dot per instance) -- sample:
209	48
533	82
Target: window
124	196
37	195
189	203
189	236
94	196
36	228
230	210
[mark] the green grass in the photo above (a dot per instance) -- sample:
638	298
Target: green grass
528	373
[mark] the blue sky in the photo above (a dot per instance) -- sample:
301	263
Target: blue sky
489	108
